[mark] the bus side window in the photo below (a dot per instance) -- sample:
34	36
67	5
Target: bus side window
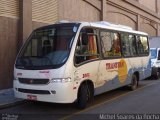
142	45
125	44
132	45
110	44
86	48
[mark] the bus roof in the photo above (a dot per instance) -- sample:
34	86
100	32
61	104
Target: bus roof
103	25
111	26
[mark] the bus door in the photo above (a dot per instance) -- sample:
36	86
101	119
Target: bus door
87	56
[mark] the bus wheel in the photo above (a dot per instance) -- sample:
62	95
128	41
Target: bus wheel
83	97
156	75
134	82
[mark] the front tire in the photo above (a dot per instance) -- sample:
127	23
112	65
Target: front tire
82	97
134	82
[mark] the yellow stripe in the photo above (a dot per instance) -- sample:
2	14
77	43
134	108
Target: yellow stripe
97	105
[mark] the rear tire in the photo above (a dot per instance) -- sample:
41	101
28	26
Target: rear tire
156	73
134	82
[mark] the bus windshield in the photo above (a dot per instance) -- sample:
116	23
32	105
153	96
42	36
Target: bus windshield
47	47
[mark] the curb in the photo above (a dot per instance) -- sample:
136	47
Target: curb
11	104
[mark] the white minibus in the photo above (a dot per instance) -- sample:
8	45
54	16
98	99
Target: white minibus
71	62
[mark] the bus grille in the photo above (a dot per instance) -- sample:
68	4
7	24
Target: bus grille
33	91
33	81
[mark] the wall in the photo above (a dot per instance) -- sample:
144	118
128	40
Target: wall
120	16
79	10
141	15
150	4
8	40
44	12
134	14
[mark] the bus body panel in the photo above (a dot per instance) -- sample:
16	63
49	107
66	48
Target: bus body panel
62	92
59	92
113	74
146	67
55	73
141	65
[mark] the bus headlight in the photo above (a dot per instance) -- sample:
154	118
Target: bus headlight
60	80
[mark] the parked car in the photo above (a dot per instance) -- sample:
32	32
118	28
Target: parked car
155	56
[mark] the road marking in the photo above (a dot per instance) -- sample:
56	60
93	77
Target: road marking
107	101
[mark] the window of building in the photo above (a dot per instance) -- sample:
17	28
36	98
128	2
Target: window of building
110	44
87	47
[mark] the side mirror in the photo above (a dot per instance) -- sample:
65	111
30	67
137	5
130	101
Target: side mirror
78	49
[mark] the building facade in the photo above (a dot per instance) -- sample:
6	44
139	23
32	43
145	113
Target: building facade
19	17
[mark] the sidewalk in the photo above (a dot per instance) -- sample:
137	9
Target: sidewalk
7	98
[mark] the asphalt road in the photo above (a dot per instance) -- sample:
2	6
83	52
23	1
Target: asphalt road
117	104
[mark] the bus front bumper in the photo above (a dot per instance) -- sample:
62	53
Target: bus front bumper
52	92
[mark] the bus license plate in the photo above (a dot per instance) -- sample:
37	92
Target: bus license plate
32	97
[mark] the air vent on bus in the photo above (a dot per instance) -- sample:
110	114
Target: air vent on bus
114	25
33	81
33	91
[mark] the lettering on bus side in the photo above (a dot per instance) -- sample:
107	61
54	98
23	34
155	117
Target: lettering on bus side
114	65
119	67
86	75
